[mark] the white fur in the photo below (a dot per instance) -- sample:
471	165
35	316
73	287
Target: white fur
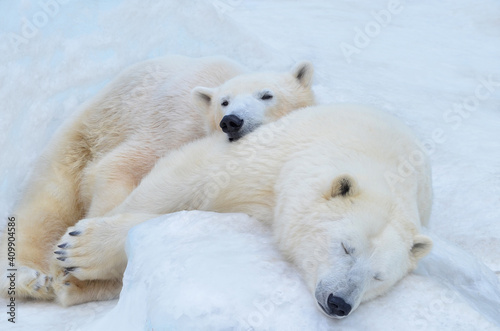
244	96
353	241
102	154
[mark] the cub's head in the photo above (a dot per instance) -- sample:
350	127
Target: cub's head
353	243
247	101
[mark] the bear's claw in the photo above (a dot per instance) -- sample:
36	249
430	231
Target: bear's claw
82	254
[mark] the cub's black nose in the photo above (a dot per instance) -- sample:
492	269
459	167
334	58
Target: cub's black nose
231	124
338	306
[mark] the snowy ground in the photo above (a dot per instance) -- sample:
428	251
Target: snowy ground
436	65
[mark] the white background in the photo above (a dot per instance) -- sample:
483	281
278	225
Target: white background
421	63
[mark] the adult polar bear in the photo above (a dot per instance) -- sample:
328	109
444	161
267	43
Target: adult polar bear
317	176
102	154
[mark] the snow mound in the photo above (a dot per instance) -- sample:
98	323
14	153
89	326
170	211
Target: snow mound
207	271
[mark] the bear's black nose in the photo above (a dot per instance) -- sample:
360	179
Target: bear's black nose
338	306
231	124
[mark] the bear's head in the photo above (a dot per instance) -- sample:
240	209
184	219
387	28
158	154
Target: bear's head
245	102
352	240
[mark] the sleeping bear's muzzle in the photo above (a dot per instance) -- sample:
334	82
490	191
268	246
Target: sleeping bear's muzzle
339	297
232	126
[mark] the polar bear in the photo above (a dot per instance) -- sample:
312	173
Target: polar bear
319	177
242	104
102	154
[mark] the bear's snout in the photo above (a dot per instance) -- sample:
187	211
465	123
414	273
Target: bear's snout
338	306
231	124
335	306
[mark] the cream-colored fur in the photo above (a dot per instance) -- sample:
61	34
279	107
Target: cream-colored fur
317	176
102	154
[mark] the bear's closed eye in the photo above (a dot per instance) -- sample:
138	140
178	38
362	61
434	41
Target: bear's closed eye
348	250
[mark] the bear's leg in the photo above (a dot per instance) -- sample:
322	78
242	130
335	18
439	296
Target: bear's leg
49	207
89	262
116	176
72	291
181	180
95	247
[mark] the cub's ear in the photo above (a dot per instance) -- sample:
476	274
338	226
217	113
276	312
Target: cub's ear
344	186
422	245
303	72
202	96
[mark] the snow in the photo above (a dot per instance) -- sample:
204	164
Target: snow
428	63
211	282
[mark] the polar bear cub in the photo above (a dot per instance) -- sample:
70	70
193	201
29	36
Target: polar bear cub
318	177
102	154
246	102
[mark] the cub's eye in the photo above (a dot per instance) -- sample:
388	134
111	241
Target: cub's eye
378	277
224	103
266	96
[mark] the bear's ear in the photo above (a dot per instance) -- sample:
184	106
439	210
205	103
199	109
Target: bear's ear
344	186
202	96
422	245
303	72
